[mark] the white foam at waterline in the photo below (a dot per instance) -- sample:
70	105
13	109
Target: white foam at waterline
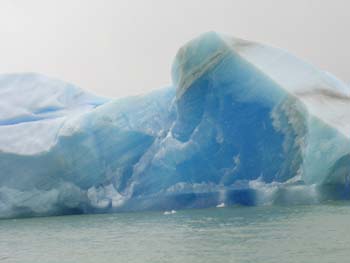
169	212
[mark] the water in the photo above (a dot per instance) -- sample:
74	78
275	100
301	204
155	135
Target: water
319	233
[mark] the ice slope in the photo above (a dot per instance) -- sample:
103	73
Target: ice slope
243	123
302	100
34	107
83	143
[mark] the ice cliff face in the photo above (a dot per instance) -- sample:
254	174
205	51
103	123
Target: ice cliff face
243	123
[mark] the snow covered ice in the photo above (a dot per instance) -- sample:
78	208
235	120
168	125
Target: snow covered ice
242	123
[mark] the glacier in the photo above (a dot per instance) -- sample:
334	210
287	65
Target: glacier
242	123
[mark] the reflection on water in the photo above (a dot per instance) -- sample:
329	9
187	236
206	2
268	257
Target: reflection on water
318	233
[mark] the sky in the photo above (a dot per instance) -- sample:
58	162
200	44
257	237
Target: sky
119	48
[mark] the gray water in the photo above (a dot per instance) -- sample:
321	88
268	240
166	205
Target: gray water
319	233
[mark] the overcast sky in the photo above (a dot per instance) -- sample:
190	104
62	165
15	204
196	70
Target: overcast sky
117	48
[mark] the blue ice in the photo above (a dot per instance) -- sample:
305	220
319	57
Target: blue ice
242	123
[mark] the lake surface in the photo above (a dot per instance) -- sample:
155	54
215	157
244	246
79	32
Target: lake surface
319	233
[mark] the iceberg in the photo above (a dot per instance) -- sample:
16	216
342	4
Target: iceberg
242	123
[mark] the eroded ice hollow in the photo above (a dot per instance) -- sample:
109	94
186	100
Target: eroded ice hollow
243	123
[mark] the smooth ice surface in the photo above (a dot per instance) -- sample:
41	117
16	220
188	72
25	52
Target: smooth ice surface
242	123
33	108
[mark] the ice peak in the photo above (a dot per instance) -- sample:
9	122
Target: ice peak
196	57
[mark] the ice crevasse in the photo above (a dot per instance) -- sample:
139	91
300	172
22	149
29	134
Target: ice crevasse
242	123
